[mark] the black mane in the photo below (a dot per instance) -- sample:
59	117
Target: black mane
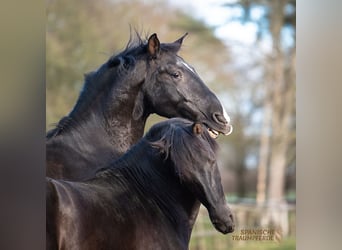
175	146
178	143
104	78
175	142
96	81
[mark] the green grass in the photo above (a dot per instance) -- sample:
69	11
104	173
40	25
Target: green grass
205	237
285	244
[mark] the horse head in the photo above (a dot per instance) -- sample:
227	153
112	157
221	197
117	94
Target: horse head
172	88
192	152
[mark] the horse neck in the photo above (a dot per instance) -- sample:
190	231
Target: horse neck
174	202
121	128
110	113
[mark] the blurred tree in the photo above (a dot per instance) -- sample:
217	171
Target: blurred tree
282	97
234	157
277	132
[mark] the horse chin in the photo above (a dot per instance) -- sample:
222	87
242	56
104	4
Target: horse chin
230	130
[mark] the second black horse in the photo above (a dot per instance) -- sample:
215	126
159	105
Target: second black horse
145	199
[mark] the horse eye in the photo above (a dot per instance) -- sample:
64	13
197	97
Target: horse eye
175	75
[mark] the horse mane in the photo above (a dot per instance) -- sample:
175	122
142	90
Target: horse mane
60	127
175	142
182	146
129	171
96	81
93	84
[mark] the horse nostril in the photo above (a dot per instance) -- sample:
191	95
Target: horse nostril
231	217
219	118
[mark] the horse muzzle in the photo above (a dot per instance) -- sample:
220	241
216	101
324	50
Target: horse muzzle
222	219
222	125
224	227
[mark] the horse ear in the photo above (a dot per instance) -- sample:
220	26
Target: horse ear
138	109
153	45
197	129
180	40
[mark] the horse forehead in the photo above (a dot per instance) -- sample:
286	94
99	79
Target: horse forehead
181	63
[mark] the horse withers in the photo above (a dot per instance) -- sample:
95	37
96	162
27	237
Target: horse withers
143	200
111	111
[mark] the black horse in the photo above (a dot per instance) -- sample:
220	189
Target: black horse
144	200
110	114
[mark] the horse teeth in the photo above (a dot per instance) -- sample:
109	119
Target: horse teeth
213	133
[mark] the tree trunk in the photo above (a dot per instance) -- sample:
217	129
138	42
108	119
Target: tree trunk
264	154
282	97
283	101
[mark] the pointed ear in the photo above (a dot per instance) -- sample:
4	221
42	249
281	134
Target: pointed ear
180	40
153	45
197	129
138	110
